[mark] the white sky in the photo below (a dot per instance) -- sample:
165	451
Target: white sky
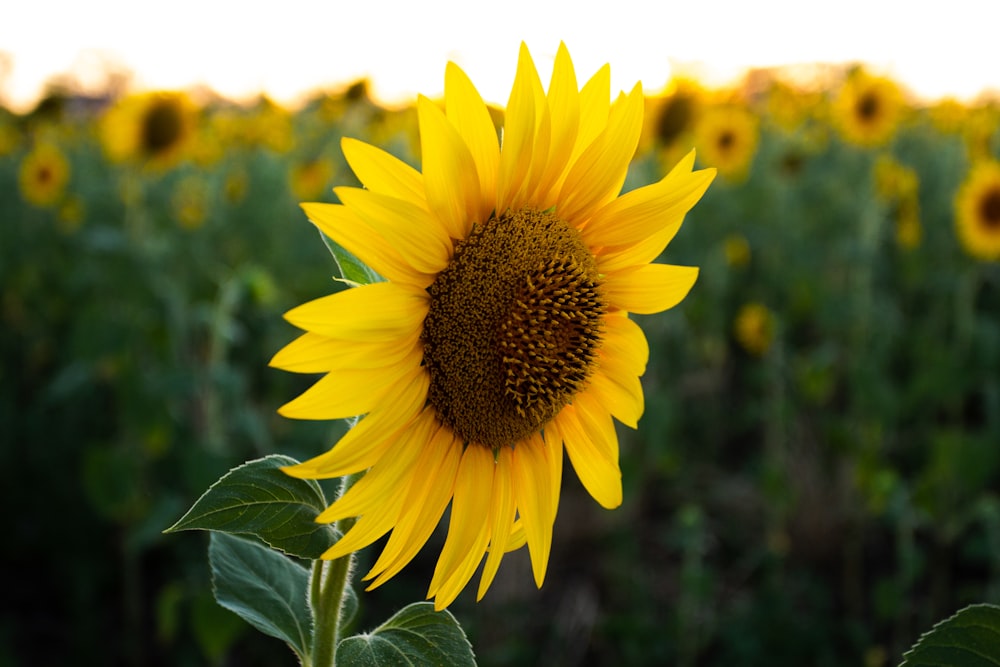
288	47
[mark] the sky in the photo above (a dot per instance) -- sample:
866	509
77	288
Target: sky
292	47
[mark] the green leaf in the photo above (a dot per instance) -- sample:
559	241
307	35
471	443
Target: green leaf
264	588
416	635
970	638
352	269
258	499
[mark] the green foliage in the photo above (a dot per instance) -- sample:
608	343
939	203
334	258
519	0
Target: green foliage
416	635
258	499
264	588
970	638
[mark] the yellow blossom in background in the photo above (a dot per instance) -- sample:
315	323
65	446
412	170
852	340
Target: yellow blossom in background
152	129
10	136
236	185
737	250
754	328
894	180
726	138
977	211
312	178
948	115
980	128
43	175
191	202
868	109
789	106
909	231
501	335
671	116
269	125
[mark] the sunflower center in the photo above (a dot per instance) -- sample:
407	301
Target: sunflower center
161	127
868	106
989	210
513	328
726	141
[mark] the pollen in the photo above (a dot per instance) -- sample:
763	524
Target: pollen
513	328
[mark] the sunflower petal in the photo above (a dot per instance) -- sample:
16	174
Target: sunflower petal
413	231
450	175
598	174
362	446
562	116
624	401
316	353
651	288
384	173
501	518
531	474
468	114
600	475
645	211
425	503
348	230
380	311
518	133
467	532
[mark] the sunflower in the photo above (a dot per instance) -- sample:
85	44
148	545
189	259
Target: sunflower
977	211
309	179
501	332
152	128
726	138
754	328
868	109
43	175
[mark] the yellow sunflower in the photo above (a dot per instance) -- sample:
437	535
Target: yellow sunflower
977	211
726	138
311	178
152	128
868	109
501	333
754	328
43	175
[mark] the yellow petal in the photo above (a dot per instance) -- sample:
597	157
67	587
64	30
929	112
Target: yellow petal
378	312
426	500
466	534
595	105
645	211
352	233
624	401
532	479
315	353
501	518
598	174
518	134
383	172
412	230
363	445
562	117
624	341
651	288
350	392
598	474
450	176
384	479
366	530
468	114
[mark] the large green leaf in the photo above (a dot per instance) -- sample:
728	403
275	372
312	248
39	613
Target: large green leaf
263	587
416	635
970	638
352	269
258	499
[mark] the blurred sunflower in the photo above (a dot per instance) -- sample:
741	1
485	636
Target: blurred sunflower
153	129
502	333
977	211
909	231
868	109
754	328
191	202
894	180
310	179
43	175
726	138
737	251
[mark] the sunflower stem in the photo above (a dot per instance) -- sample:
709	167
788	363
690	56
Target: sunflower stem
328	593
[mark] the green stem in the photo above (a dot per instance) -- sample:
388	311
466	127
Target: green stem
328	585
328	591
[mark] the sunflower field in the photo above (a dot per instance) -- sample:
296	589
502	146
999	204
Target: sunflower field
816	477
